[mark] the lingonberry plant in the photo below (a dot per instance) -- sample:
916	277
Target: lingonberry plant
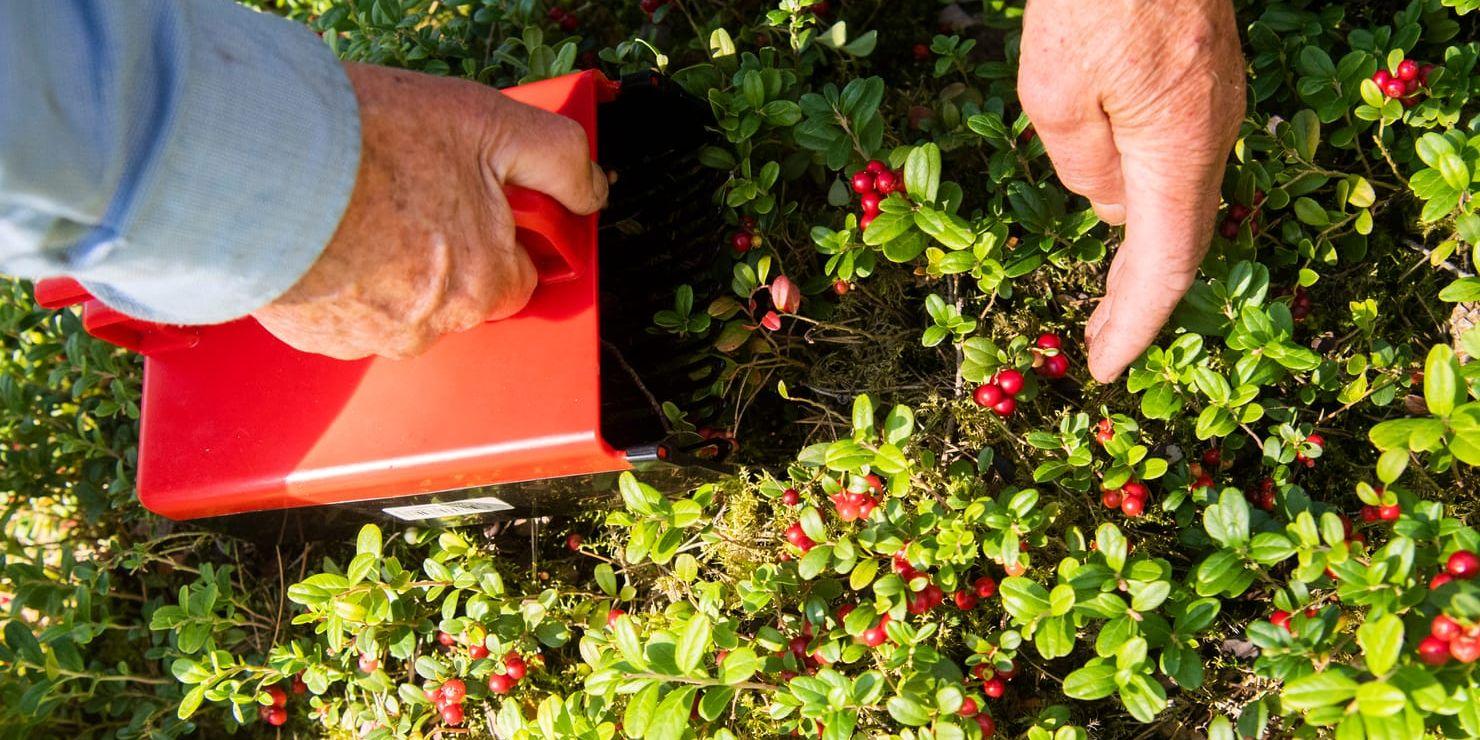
1261	531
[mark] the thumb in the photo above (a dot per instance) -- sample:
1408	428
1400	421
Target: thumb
539	150
1169	214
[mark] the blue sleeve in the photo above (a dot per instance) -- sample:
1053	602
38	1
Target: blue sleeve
187	160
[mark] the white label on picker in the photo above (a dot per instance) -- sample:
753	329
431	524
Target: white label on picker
481	505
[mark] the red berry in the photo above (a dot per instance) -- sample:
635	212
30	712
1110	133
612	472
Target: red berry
1423	73
500	683
875	166
994	687
1135	489
1238	212
986	724
985	587
790	497
445	640
1407	70
741	241
1369	514
276	716
987	395
573	542
1014	568
1203	481
1394	88
875	483
514	666
1444	628
867	219
1440	580
1389	513
368	663
1056	366
1433	651
1103	436
870	203
1004	407
1382	78
279	697
1228	229
611	616
874	636
1212	458
1010	381
568	23
845	610
841	287
1010	673
798	646
1132	506
1111	498
1465	649
1280	618
965	600
556	13
1049	340
748	222
968	708
921	52
453	690
887	182
863	182
477	651
298	685
452	714
1463	564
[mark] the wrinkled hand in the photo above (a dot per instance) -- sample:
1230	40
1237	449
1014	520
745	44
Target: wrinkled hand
426	246
1137	102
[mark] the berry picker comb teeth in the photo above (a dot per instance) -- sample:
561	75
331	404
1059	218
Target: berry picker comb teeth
521	417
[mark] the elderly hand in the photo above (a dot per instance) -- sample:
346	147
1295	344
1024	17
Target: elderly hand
426	246
1137	103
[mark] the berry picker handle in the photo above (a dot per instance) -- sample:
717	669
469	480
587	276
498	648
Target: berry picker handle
555	238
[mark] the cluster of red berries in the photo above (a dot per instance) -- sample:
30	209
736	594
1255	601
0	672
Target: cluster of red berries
448	699
1449	639
1462	565
1403	85
1129	498
1386	513
994	685
1314	440
1281	618
651	6
1299	309
1000	393
514	670
1237	214
851	505
1200	472
475	651
567	20
745	239
1104	432
873	184
276	713
1262	496
798	538
1048	356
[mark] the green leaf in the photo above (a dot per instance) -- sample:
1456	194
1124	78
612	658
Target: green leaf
1381	640
1441	389
887	226
1096	680
863	418
1143	697
1228	520
694	643
368	543
922	172
671	720
1380	699
1391	464
1319	690
908	712
739	665
1024	599
1462	290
